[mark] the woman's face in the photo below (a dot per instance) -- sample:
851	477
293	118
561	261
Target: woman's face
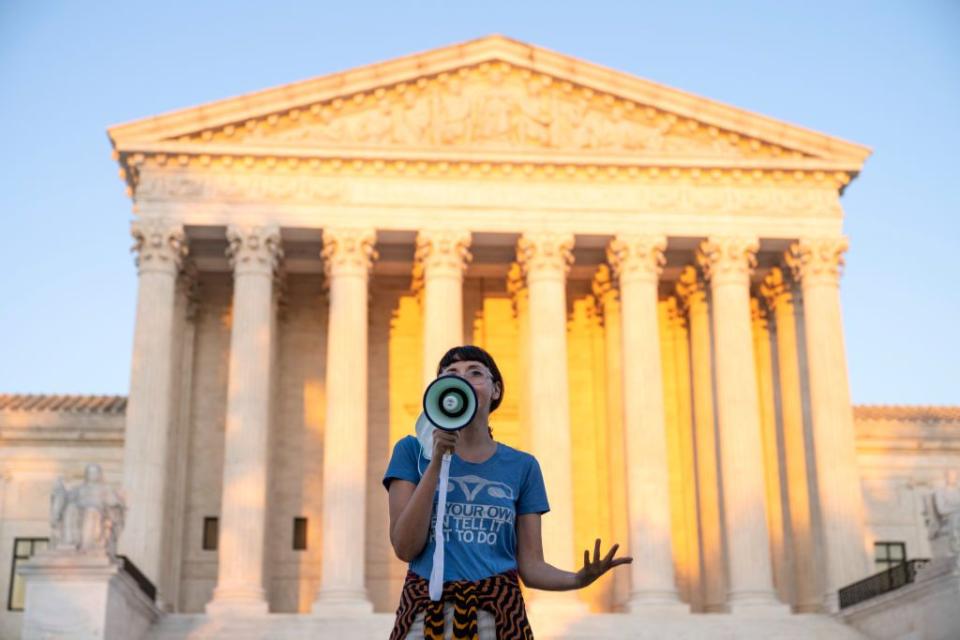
479	378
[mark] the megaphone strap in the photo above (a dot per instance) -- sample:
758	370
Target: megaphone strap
436	572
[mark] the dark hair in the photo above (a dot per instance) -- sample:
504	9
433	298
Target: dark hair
473	353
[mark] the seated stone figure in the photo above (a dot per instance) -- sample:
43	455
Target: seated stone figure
88	517
942	516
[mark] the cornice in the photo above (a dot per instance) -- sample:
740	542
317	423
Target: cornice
907	413
42	402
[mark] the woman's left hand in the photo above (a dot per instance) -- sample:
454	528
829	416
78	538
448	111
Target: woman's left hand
598	566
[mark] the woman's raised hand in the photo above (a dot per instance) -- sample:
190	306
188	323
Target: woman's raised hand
593	569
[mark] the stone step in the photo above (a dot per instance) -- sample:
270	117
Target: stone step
592	627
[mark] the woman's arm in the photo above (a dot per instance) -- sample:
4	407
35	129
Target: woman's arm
410	507
536	573
411	504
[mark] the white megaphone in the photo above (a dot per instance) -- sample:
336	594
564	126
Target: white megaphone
449	403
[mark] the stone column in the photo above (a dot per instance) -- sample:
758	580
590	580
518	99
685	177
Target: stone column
778	293
348	255
727	264
608	299
816	264
545	259
692	295
520	302
161	247
637	261
254	254
439	265
188	301
762	330
678	330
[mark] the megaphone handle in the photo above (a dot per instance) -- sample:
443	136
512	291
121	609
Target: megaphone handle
436	573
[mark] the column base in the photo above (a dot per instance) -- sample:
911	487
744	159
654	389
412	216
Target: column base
757	604
656	603
552	612
238	602
342	603
831	602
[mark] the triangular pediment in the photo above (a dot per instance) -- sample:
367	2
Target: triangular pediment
491	97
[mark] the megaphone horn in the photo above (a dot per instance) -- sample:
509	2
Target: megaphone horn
450	403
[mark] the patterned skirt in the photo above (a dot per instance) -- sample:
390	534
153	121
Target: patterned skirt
498	595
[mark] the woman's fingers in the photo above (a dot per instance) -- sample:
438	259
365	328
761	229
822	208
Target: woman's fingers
592	570
444	441
610	554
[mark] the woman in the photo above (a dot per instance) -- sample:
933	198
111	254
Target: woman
492	531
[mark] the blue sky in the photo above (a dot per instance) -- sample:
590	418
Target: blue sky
885	74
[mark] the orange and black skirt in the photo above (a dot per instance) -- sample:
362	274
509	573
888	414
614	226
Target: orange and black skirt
499	595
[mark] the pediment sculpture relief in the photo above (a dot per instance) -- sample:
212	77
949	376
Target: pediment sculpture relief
508	109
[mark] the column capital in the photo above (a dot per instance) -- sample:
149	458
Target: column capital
603	286
690	288
776	288
637	256
160	245
605	292
545	253
254	249
516	287
728	259
817	260
759	313
348	251
440	252
675	312
189	281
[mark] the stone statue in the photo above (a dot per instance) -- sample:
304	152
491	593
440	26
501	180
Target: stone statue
86	517
942	516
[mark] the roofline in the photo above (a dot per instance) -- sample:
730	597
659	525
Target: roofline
485	49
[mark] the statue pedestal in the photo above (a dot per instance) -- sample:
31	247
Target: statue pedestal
925	609
87	596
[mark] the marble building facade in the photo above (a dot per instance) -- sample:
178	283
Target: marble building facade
656	274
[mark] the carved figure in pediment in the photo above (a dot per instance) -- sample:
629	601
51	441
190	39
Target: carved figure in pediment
454	115
496	116
377	125
534	117
413	120
590	128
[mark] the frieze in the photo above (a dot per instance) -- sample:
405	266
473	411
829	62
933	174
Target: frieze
666	196
240	188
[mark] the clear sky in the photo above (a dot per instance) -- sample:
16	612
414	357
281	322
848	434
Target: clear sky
882	73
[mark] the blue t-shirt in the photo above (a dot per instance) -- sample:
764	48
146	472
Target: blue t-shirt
483	501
